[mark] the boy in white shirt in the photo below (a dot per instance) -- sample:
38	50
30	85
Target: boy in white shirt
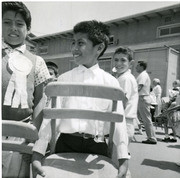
123	63
90	40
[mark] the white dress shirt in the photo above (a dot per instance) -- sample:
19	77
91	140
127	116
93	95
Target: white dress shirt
93	75
143	79
129	85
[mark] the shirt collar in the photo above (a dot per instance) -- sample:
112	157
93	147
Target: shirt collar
82	68
21	48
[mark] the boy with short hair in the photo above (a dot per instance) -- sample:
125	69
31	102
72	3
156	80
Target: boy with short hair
90	40
123	62
23	75
53	70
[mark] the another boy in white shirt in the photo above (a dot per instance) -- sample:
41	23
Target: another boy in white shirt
123	63
90	40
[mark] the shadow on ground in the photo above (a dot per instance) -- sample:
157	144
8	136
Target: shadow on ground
164	165
174	146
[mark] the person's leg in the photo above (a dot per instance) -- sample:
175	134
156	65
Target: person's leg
166	138
144	109
69	143
90	146
130	128
139	126
174	135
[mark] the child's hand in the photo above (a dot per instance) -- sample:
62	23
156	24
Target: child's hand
36	164
122	168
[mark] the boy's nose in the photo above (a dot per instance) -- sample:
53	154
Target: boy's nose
74	48
13	26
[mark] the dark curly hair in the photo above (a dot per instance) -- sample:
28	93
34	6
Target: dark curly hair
20	8
52	66
126	51
97	32
143	64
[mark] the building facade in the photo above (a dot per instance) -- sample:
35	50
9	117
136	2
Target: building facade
154	36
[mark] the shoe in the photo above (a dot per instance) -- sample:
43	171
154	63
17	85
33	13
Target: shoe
169	140
148	141
166	139
172	140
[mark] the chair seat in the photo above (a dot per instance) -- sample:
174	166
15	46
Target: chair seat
78	165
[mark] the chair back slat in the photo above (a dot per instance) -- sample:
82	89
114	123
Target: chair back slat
82	114
17	146
55	89
19	129
76	89
24	135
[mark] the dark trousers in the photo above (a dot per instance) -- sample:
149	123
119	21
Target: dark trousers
69	143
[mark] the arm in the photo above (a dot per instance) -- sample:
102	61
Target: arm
36	164
140	86
39	104
120	139
40	146
123	167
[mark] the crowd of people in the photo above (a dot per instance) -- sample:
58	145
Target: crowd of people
25	75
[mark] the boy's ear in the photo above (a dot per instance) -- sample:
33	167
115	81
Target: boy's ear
101	47
131	64
28	32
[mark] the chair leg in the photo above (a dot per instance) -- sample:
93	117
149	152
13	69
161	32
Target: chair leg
24	170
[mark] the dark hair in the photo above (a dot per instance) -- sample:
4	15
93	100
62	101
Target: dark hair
52	66
20	8
143	64
126	51
97	32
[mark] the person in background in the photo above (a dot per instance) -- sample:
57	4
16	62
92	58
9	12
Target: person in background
123	62
169	122
144	103
53	70
156	93
90	40
23	77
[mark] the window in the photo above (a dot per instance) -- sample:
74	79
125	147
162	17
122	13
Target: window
43	50
105	64
168	30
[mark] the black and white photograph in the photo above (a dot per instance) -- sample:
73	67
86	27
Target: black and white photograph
90	89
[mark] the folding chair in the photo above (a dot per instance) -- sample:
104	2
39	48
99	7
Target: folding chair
159	119
24	135
80	165
176	111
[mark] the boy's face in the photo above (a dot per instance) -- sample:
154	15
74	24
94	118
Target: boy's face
14	29
83	51
139	68
52	73
121	63
175	85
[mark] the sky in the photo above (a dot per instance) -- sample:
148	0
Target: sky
57	16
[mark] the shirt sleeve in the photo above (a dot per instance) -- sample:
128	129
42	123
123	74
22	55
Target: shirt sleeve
45	133
41	144
41	71
120	137
141	79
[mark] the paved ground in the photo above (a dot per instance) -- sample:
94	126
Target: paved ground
154	161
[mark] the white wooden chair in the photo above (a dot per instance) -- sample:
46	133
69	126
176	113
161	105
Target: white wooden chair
80	165
24	135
